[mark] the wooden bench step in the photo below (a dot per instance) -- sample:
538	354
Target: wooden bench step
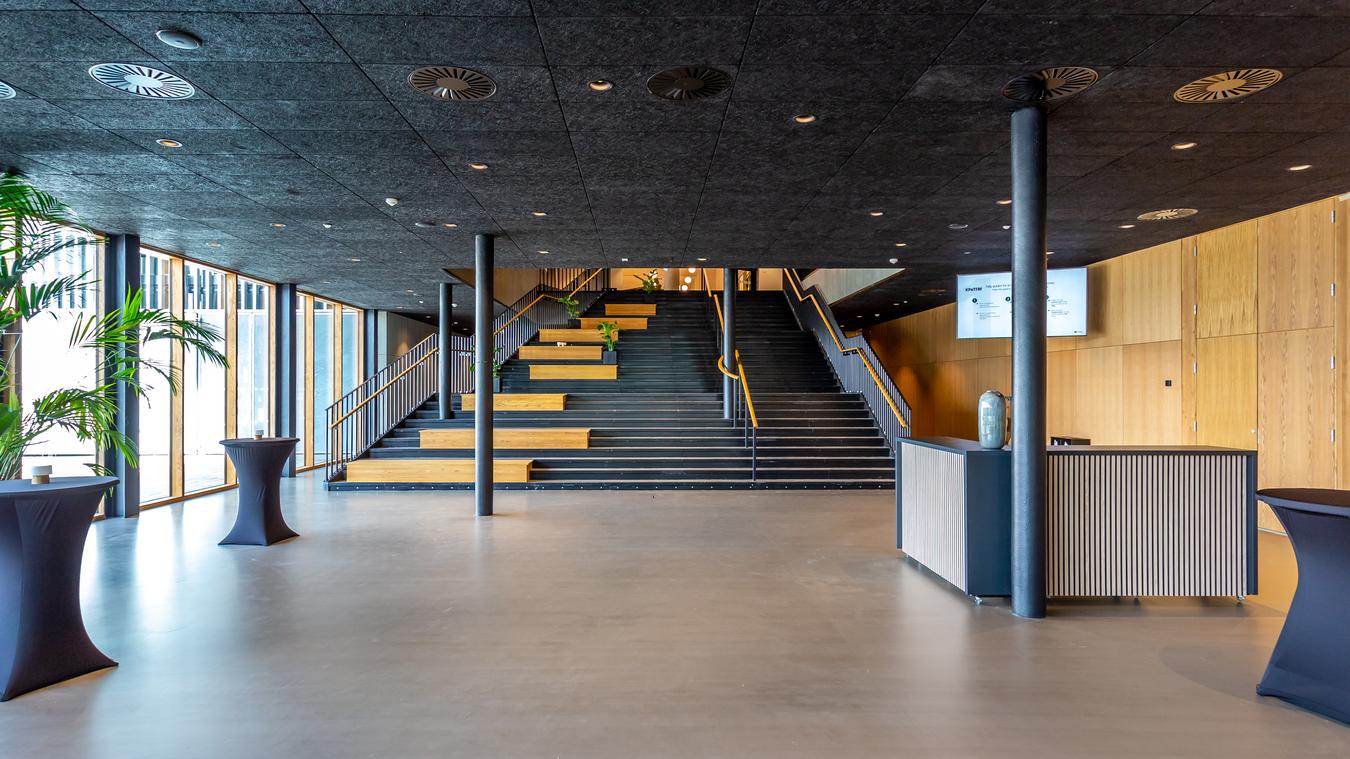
630	309
624	322
520	401
569	335
434	470
574	371
560	352
511	439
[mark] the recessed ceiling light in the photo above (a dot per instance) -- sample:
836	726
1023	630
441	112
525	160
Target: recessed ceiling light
1007	226
624	260
684	288
1183	145
901	244
213	244
391	201
688	280
804	118
168	143
895	304
692	270
600	85
1049	252
454	305
965	252
278	225
876	213
450	226
957	226
895	260
1005	202
906	301
424	224
539	213
179	39
421	301
702	259
1127	226
327	225
876	315
355	260
478	166
409	291
1300	167
543	252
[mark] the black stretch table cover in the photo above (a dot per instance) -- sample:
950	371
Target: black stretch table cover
258	463
1310	666
42	533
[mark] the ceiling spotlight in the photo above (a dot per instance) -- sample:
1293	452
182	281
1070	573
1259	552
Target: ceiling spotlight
327	225
213	244
1183	145
539	213
804	118
1049	252
957	226
450	226
624	260
1007	226
684	288
702	259
278	225
478	166
877	315
1300	167
1127	226
166	142
543	252
454	305
355	260
895	304
965	252
688	280
876	213
179	39
895	260
692	270
1005	202
600	85
391	201
424	224
901	244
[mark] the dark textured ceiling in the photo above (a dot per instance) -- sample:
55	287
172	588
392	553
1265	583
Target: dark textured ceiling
303	116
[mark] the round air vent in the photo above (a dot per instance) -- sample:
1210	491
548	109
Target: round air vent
452	83
6	92
689	83
1227	86
1050	84
1167	214
142	81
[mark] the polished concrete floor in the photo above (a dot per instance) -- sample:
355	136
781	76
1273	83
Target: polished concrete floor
621	624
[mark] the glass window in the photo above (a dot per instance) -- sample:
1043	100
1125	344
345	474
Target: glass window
252	370
203	382
155	405
322	377
49	364
351	349
302	381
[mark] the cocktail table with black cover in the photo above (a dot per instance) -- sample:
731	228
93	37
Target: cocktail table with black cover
258	462
1310	666
42	534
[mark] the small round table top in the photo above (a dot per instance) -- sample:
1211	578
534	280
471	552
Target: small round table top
247	441
1318	500
57	485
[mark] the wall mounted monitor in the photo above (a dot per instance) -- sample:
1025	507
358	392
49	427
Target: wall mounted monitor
984	304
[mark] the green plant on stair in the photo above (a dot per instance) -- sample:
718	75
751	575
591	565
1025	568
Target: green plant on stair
651	281
496	365
570	303
609	334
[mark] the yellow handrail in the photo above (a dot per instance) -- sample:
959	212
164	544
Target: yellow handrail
789	275
745	385
541	297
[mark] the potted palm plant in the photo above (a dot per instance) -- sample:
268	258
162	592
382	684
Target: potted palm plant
29	219
609	335
651	285
570	303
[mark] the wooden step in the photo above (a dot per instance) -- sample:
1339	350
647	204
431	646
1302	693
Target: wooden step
624	322
511	439
569	335
560	352
574	371
434	470
519	402
630	309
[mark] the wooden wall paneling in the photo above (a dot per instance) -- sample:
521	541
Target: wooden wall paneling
231	296
1226	281
177	298
1105	308
1341	305
1151	294
1152	394
1061	398
1226	388
1296	391
956	395
916	383
1188	338
1099	389
1297	264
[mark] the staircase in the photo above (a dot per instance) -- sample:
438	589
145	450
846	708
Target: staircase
657	424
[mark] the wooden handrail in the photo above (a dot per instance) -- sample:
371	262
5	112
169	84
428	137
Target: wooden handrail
541	297
789	275
383	387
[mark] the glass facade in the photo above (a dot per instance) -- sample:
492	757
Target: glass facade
156	430
204	382
322	374
253	371
302	380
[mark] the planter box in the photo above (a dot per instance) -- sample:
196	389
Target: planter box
609	357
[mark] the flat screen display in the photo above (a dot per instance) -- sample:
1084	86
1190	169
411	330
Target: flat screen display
984	304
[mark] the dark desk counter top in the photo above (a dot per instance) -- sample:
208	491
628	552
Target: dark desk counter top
961	445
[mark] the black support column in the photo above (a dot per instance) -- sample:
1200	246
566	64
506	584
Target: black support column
370	339
445	362
728	341
285	397
122	275
1028	362
483	341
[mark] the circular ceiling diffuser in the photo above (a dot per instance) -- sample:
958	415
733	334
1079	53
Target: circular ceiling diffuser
452	83
1050	84
1227	86
6	92
689	83
142	81
1167	214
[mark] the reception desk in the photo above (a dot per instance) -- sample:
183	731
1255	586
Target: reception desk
1121	520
